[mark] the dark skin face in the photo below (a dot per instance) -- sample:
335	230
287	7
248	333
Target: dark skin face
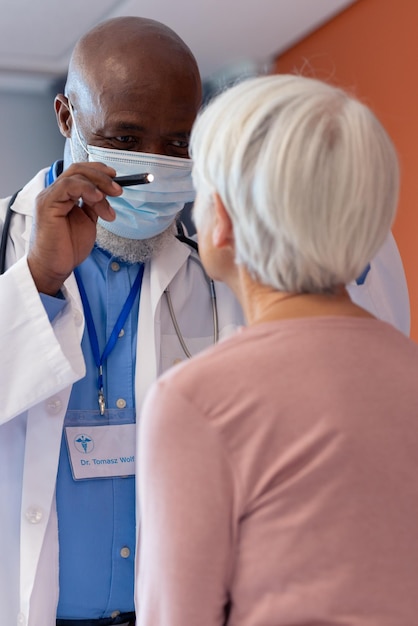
137	90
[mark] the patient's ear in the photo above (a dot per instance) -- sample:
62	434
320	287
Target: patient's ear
223	232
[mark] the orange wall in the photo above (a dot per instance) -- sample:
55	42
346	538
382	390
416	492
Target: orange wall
371	49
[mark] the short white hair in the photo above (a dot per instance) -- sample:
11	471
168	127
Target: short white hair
308	176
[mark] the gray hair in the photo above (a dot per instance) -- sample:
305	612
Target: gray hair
308	176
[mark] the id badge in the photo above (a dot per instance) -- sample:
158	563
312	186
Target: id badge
101	451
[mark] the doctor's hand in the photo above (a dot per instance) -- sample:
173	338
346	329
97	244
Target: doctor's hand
64	227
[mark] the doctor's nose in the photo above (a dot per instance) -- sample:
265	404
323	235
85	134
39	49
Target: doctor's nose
155	146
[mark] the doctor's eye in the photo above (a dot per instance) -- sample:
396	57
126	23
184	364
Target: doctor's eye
125	139
178	143
178	147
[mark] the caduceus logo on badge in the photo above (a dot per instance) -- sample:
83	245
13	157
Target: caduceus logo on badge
84	443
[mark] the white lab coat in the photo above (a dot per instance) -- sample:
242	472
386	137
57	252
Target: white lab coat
40	362
385	291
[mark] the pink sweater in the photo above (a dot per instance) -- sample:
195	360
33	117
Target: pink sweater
280	470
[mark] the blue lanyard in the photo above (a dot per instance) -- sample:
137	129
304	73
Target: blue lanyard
54	171
94	343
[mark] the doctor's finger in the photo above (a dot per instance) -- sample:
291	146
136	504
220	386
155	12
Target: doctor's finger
94	210
63	195
99	174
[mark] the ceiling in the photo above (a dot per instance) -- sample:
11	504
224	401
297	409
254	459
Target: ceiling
37	36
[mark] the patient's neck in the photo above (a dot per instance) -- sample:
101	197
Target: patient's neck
262	303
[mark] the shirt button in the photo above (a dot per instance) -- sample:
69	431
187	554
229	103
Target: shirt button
53	405
122	332
125	552
34	515
115	266
177	361
115	614
78	318
121	403
21	619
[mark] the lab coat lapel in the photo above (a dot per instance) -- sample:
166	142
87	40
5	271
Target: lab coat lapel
157	276
24	203
164	267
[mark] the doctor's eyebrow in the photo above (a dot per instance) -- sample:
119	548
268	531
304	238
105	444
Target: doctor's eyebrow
128	126
119	126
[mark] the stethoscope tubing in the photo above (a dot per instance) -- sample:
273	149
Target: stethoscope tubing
212	290
5	233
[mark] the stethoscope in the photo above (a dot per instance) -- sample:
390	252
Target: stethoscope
50	176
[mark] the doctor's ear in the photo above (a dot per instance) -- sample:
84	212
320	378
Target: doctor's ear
63	115
223	231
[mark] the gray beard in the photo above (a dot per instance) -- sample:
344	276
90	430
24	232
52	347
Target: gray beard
133	250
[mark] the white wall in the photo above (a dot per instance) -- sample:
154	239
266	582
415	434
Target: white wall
29	137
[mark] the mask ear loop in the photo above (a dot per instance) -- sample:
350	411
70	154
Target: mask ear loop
70	108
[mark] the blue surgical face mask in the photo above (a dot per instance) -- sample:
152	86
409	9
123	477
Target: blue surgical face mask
144	211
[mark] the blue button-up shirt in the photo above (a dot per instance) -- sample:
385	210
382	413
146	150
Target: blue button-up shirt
96	517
